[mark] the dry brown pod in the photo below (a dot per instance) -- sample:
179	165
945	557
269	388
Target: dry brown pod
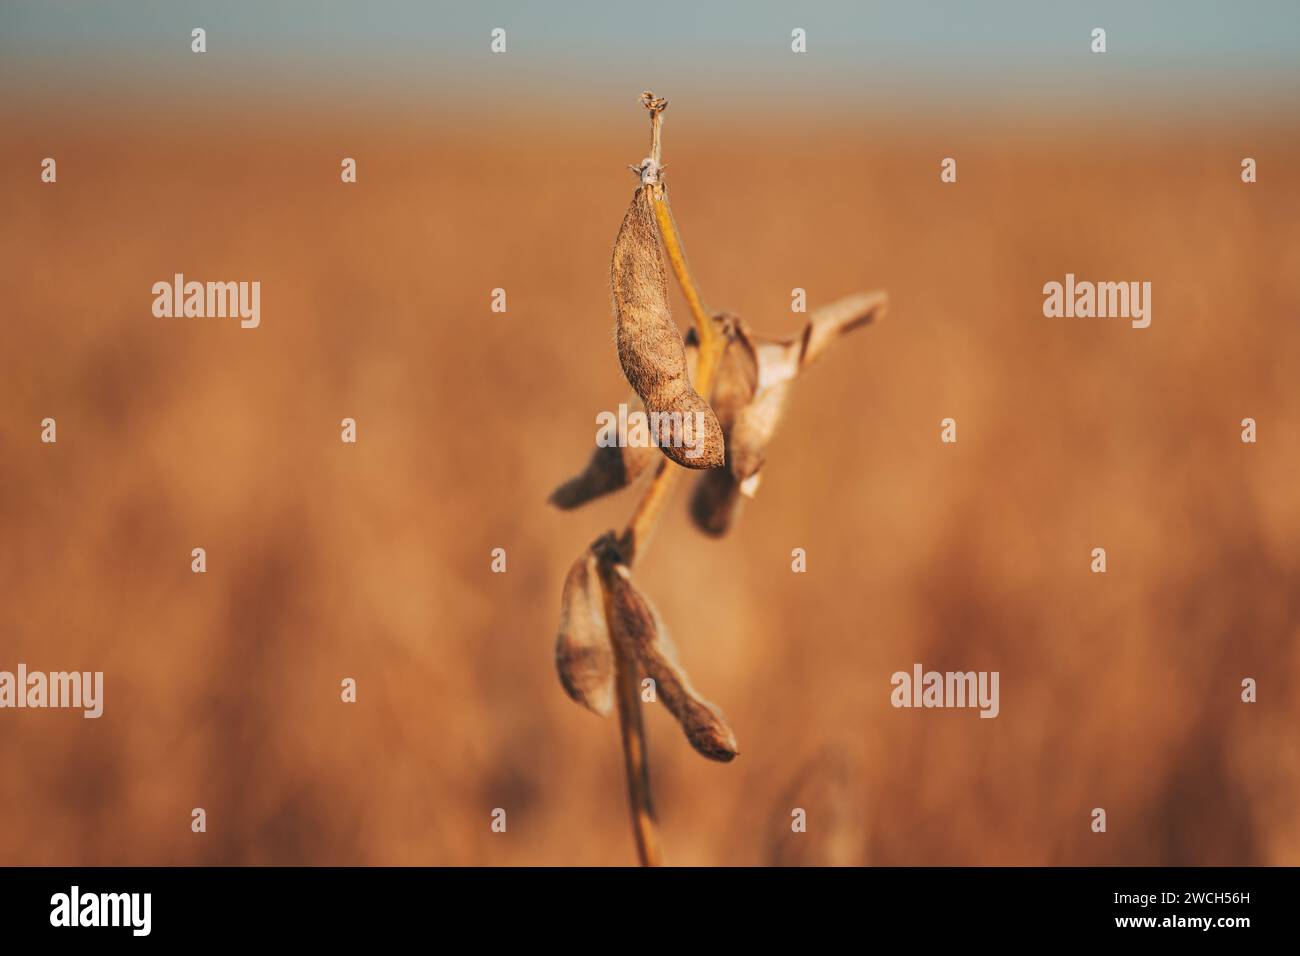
636	627
716	499
751	404
715	502
584	656
753	429
736	379
610	468
650	343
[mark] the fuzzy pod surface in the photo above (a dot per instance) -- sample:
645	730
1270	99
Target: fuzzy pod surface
609	469
717	495
650	343
636	626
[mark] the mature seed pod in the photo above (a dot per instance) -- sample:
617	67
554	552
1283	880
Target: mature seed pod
716	499
752	386
649	342
636	626
754	428
736	379
610	468
715	502
584	656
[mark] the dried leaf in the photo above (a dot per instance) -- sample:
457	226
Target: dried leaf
779	363
840	317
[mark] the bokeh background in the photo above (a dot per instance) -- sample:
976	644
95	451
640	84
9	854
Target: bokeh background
819	171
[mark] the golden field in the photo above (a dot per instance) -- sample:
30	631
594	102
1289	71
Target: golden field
328	560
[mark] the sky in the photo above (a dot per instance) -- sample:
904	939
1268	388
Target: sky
1185	55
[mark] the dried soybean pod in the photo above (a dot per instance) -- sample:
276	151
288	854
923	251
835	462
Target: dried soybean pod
754	428
736	380
584	656
715	502
717	494
612	468
649	342
636	626
609	469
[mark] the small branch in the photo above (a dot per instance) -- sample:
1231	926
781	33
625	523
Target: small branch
710	339
653	164
637	533
645	828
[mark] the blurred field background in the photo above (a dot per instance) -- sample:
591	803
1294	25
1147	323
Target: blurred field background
328	560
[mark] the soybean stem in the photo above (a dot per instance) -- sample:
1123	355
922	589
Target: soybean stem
672	240
644	518
644	826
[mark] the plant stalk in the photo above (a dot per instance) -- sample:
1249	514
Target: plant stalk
636	534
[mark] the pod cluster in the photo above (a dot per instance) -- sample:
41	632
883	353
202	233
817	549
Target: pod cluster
750	395
606	621
602	608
